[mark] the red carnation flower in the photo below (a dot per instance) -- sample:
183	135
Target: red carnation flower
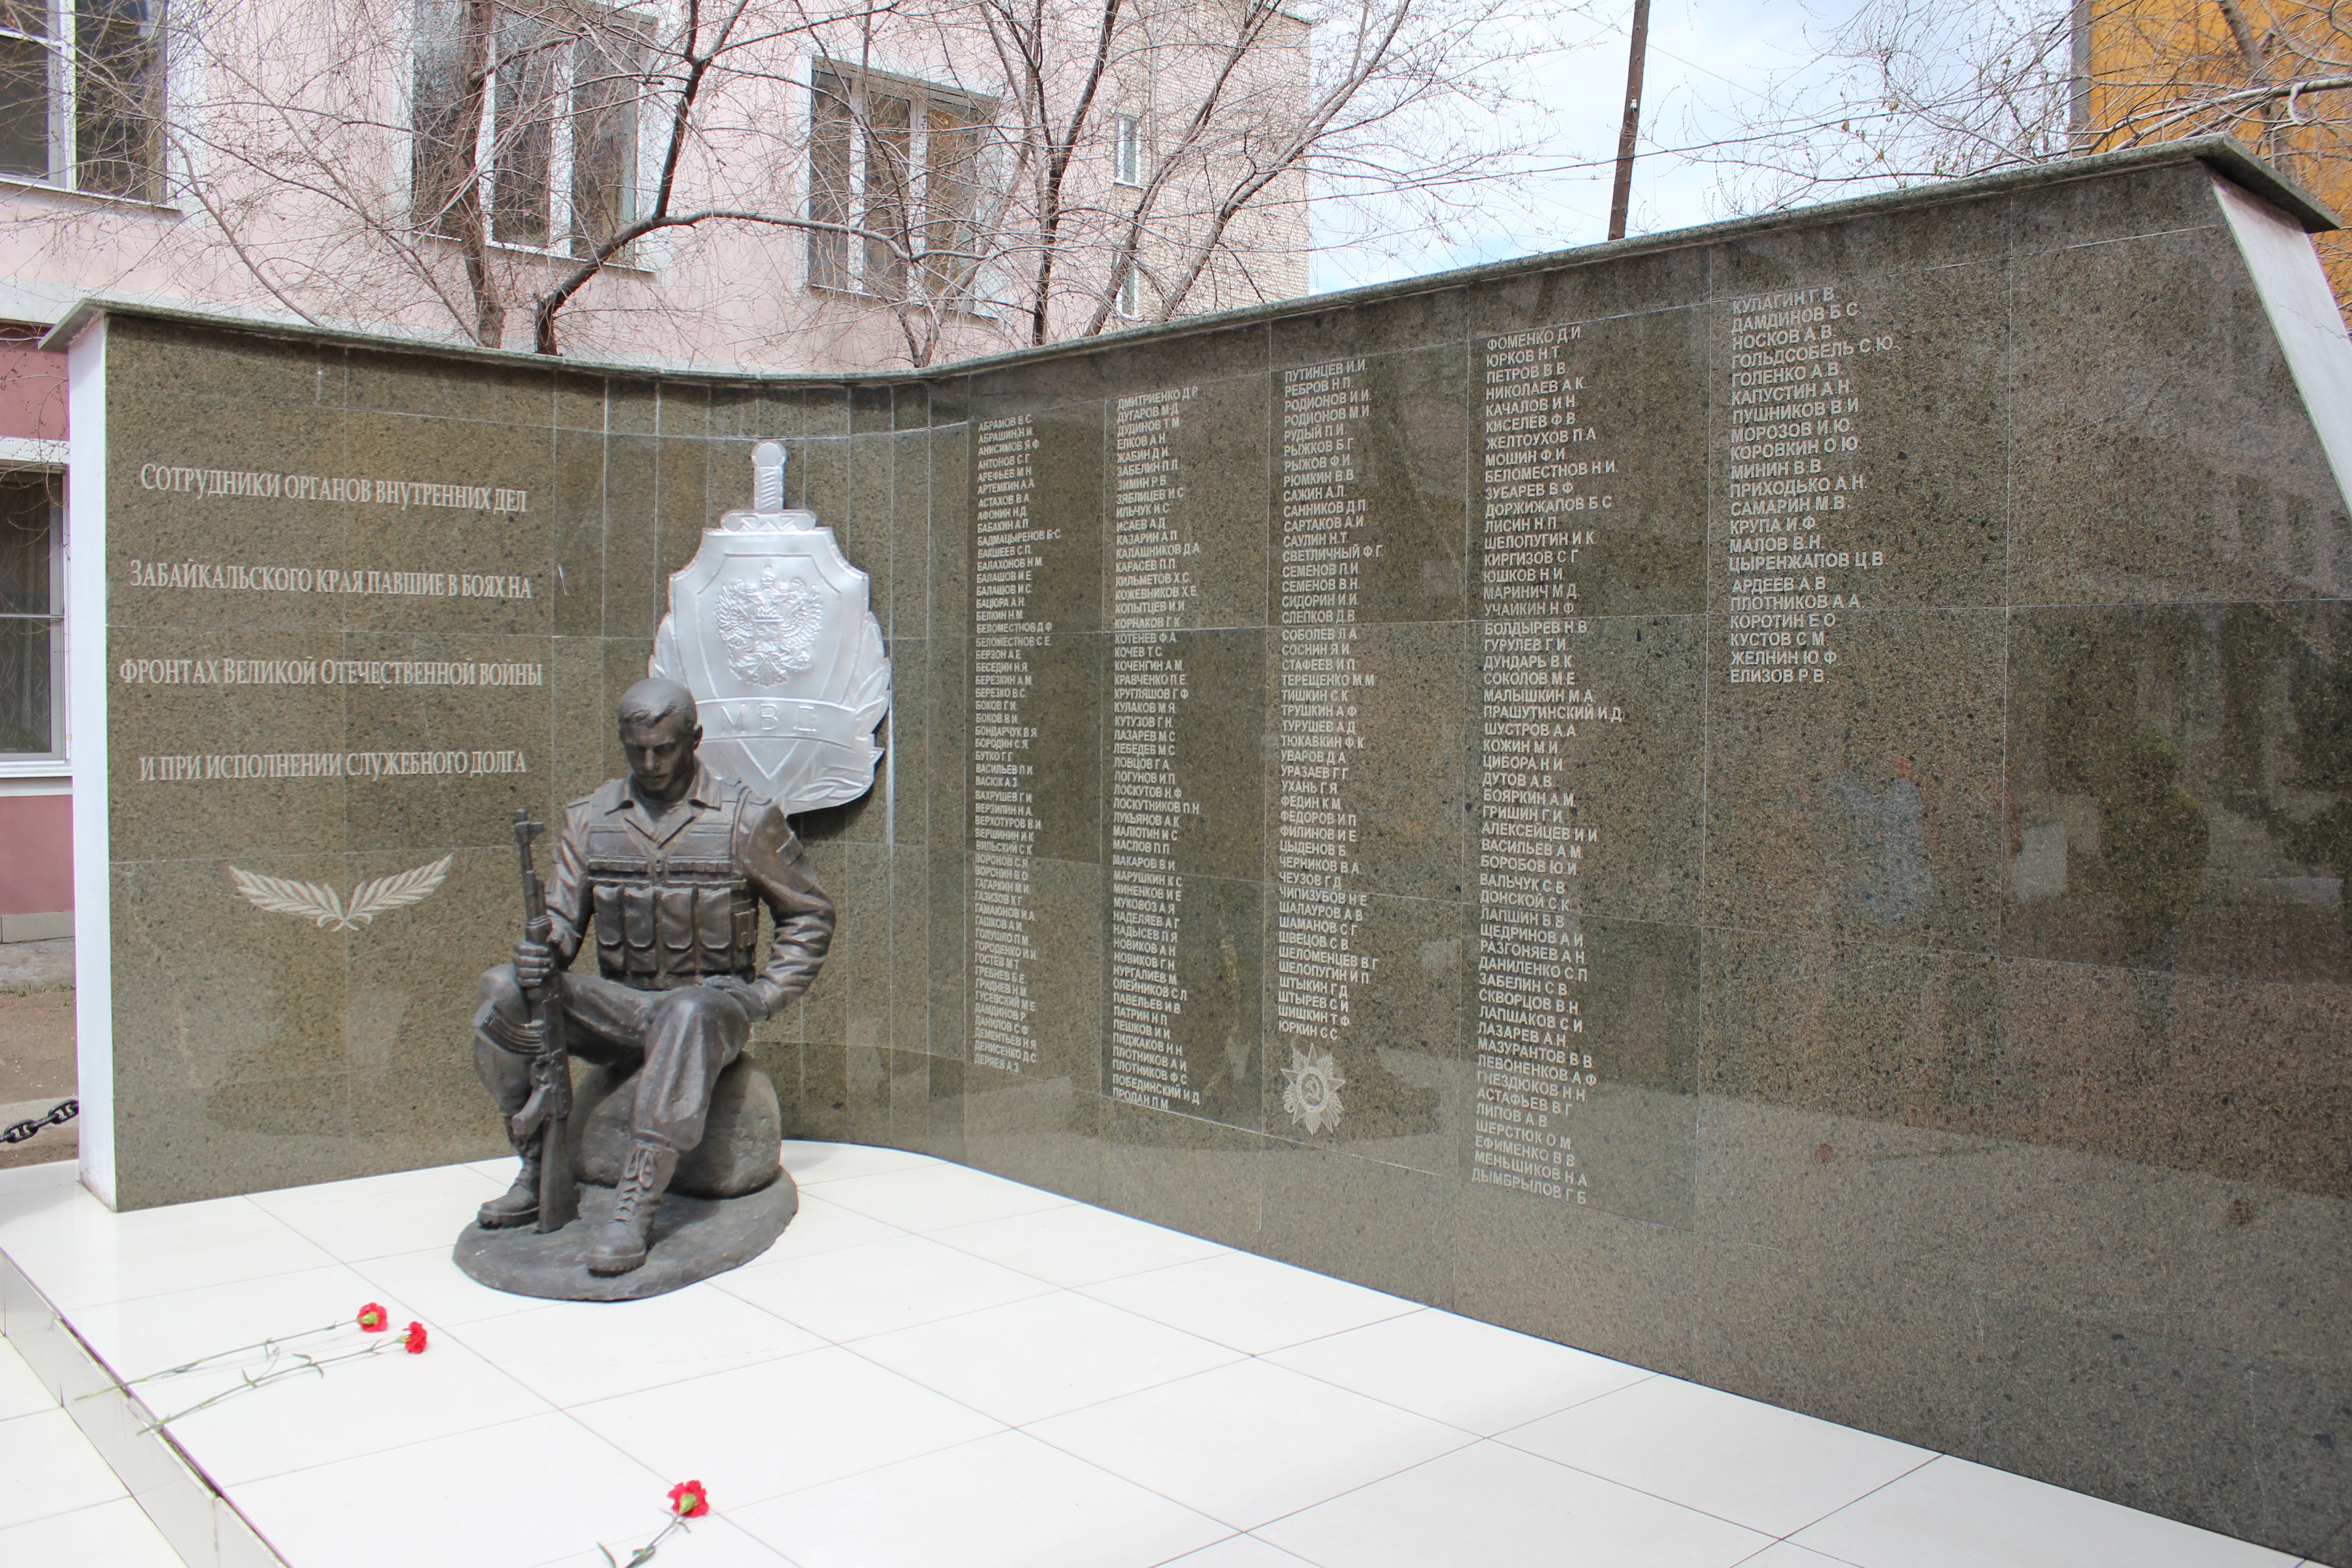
414	1343
373	1318
689	1500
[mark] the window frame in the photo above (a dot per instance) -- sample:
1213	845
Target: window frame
840	264
62	102
55	760
562	111
1127	150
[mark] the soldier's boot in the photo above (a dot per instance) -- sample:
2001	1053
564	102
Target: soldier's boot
519	1205
621	1244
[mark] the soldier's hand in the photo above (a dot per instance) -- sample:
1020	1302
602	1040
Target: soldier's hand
533	962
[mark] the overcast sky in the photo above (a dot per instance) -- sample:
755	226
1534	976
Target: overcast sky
1702	57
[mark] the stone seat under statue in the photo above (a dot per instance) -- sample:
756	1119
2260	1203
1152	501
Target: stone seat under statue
742	1142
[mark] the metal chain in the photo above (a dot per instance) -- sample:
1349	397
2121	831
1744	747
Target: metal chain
59	1114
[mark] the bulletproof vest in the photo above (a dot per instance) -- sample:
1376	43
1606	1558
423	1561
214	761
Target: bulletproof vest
669	914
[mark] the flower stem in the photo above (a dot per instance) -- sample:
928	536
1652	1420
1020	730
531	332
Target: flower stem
645	1553
274	1375
270	1346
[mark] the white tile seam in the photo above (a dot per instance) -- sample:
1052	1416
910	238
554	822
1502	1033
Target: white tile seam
1229	1540
1851	1502
1204	1513
1031	1273
1240	1355
607	1442
1771	1541
1002	1431
851	1346
291	1274
556	1406
1783	1540
1420	1310
813	1182
65	1513
1502	1436
795	1489
1825	1556
941	1236
1431	1415
1410	1307
844	1344
84	1304
375	1284
370	1457
1694	1508
78	1440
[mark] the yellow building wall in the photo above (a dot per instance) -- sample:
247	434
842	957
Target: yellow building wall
2162	70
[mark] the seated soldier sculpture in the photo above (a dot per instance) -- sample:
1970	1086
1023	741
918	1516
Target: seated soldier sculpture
671	865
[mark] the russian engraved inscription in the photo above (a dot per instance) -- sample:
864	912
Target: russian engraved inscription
1151	589
1318	909
1004	822
1799	540
1548	484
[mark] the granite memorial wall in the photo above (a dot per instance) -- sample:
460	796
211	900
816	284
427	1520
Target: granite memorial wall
1772	801
361	606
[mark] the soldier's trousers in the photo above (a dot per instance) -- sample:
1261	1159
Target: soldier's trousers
679	1040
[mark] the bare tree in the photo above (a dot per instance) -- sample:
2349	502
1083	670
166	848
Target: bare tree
1900	91
631	174
1906	90
2272	74
1382	113
1142	159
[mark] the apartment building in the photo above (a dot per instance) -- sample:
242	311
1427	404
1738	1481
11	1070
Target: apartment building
794	189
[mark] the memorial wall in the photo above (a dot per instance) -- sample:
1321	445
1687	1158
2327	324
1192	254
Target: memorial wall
1771	801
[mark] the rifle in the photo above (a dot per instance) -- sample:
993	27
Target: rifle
549	1110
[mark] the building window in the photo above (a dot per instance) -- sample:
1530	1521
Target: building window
1130	293
551	150
81	94
899	160
32	618
1127	150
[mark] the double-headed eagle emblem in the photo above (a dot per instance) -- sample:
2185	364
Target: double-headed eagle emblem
769	627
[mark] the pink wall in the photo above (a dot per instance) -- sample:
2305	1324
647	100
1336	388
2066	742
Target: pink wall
32	388
36	854
35	830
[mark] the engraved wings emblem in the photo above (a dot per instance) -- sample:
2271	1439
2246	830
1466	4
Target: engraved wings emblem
770	627
316	903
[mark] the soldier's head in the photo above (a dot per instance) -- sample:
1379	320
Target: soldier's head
659	733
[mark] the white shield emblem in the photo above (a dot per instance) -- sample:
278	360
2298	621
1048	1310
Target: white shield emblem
770	627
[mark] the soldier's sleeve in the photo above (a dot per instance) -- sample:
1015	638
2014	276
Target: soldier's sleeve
770	854
568	891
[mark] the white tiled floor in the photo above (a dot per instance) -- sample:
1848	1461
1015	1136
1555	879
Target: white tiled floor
58	1501
937	1368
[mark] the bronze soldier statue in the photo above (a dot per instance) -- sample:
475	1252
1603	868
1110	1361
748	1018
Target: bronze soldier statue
673	864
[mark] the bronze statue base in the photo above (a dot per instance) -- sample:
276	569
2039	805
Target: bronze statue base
693	1239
